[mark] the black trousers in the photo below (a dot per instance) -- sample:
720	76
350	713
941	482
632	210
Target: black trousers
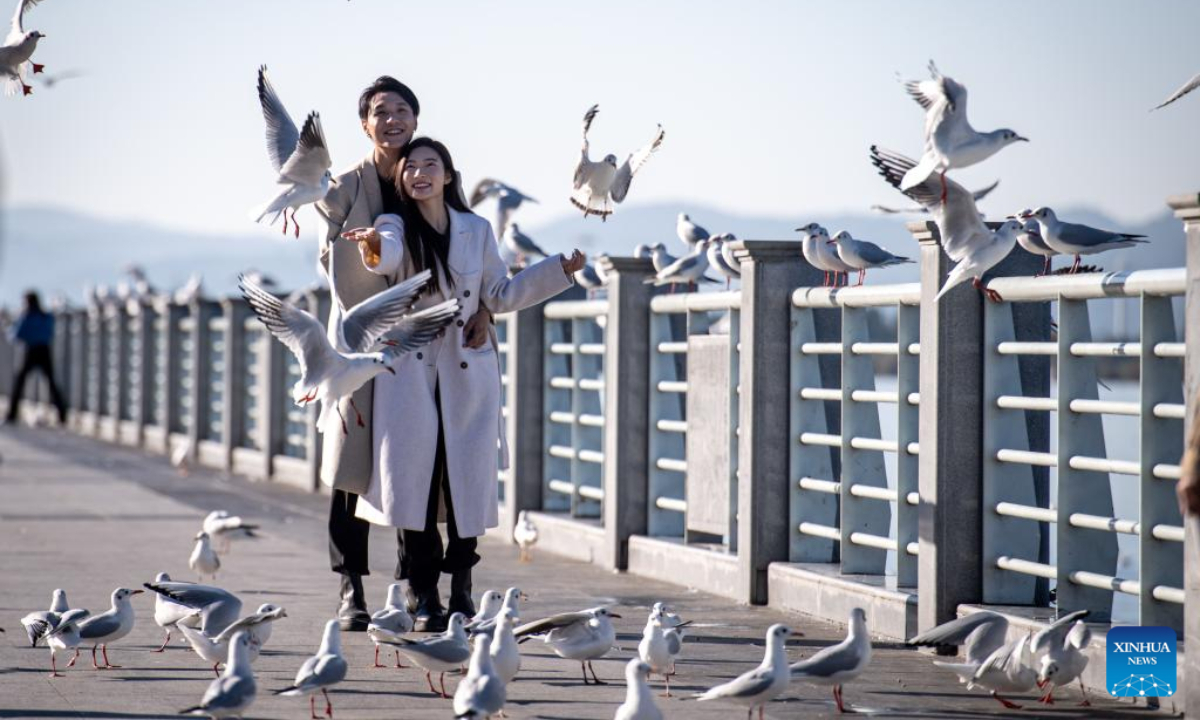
348	536
37	357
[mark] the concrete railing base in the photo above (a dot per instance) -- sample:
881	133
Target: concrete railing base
693	566
819	590
570	537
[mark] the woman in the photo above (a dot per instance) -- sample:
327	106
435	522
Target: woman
438	434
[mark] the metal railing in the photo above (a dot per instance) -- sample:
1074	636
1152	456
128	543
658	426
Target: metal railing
574	407
1078	514
846	505
503	356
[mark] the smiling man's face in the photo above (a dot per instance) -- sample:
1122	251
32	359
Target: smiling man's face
390	121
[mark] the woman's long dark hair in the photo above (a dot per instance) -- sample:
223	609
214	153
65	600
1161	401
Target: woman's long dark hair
427	251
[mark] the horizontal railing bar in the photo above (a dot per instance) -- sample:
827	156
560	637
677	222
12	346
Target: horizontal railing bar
914	349
1107	524
914	448
672	426
1106	349
1013	347
1105	407
589	492
821	439
1026	512
1105	582
820	348
1170	350
591	420
1022	402
874	396
561	451
591	348
695	302
562	383
572	309
1167	471
671	464
874	541
1089	286
913	498
862	443
1027	567
1171	533
874	348
1168	594
561	486
591	384
821	531
562	349
672	348
913	548
672	386
830	487
872	492
672	504
914	398
503	347
1170	411
1104	465
857	296
590	456
820	394
1027	457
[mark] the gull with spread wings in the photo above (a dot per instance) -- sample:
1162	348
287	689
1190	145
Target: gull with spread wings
17	50
598	183
301	157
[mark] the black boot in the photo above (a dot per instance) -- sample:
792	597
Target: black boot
460	593
352	611
429	616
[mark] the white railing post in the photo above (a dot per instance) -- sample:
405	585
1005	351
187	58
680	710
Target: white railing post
1187	209
626	404
770	271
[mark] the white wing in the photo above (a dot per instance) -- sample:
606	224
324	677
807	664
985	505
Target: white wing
1189	86
299	331
18	31
420	328
363	324
311	160
282	134
625	173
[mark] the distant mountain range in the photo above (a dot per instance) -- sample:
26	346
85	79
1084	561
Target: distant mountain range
60	251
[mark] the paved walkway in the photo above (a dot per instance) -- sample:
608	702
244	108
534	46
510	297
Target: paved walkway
89	517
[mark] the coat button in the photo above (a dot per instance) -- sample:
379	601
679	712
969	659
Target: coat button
420	356
466	293
463	365
459	323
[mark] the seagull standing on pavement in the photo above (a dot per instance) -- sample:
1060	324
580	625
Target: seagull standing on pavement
583	636
204	560
1062	647
168	613
440	653
489	604
394	619
17	50
598	183
109	626
862	255
510	605
1067	238
661	643
38	624
756	688
231	694
301	157
525	535
259	625
218	607
1007	670
689	232
838	664
979	634
481	694
210	649
327	373
321	671
950	141
506	653
65	636
639	701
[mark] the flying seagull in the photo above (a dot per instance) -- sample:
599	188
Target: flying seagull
918	209
17	50
508	200
596	183
1189	86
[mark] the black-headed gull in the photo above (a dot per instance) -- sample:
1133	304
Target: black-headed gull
38	624
759	686
598	183
838	664
393	619
506	653
814	245
639	701
232	693
321	671
328	374
950	141
109	626
919	209
863	255
521	245
1030	238
218	607
1075	239
689	232
65	636
17	50
1007	670
583	636
440	653
525	535
203	560
1189	86
662	641
481	694
978	634
687	270
301	157
222	526
1061	649
508	201
168	613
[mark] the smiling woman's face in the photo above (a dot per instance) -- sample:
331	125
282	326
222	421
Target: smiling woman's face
390	121
424	175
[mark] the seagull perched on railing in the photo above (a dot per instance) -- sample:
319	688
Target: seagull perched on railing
1074	239
521	245
17	50
329	374
716	258
862	255
814	244
301	157
950	141
660	257
687	270
689	232
964	236
596	183
1030	238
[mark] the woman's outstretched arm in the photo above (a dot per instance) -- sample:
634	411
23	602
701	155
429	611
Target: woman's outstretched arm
540	281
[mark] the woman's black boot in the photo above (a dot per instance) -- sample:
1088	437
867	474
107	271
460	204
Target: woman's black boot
430	616
460	593
352	610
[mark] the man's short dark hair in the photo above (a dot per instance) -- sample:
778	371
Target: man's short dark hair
386	83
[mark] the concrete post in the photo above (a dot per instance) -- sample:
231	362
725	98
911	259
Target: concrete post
201	311
950	430
235	311
626	405
169	318
1187	209
142	323
77	395
770	271
524	397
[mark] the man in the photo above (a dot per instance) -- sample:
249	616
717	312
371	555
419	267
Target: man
388	110
35	328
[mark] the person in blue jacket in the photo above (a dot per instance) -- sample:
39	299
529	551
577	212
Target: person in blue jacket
35	328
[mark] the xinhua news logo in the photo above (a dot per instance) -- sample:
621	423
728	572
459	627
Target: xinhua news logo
1140	661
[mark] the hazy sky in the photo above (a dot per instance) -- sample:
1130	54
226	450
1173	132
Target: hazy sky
769	107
